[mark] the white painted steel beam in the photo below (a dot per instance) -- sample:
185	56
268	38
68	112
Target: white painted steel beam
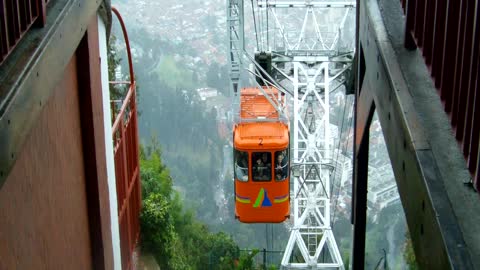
311	233
305	4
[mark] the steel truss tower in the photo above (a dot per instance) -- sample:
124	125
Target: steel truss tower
309	62
311	236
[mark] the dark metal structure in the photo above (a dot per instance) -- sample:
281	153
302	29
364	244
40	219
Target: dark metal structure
394	80
448	33
16	17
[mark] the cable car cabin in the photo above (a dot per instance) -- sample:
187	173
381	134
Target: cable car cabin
261	161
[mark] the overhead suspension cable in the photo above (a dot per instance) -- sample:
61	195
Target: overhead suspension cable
338	143
266	13
260	27
338	190
255	24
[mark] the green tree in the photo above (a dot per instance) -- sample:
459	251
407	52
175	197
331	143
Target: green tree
223	250
409	254
170	232
246	260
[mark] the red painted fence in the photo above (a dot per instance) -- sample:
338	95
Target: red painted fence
16	17
127	166
447	32
127	172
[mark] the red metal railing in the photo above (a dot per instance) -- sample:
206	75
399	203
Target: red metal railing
16	17
127	166
448	34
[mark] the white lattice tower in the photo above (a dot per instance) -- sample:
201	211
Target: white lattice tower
313	53
311	233
236	40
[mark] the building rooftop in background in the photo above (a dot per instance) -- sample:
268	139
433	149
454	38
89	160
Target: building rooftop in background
205	93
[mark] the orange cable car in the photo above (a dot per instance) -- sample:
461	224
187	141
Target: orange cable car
261	160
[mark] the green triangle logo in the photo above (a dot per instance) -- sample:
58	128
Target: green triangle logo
262	199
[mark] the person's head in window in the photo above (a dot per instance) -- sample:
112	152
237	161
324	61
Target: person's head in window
261	171
280	160
241	165
260	162
281	166
243	161
265	158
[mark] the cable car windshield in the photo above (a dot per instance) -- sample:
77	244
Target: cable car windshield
262	166
281	165
241	165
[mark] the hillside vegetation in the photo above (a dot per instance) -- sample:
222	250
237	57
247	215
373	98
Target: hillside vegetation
169	231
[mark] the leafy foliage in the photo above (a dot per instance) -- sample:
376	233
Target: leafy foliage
409	253
170	232
158	235
217	77
246	260
173	75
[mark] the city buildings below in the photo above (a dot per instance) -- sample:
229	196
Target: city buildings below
206	92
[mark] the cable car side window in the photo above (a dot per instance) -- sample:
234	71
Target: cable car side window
241	165
281	165
262	166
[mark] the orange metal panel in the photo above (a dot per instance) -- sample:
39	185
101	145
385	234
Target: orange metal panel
264	135
251	198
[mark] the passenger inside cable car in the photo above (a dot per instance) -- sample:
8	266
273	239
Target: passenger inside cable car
262	166
262	188
241	166
281	167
